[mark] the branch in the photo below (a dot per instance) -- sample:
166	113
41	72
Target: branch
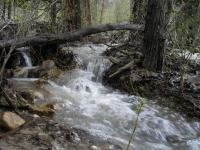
127	66
67	37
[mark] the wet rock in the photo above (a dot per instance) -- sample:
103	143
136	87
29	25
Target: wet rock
28	96
105	147
36	116
43	110
3	101
93	147
47	70
33	72
194	82
20	73
10	120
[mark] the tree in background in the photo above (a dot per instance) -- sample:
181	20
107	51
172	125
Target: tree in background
53	12
102	11
85	13
72	15
136	16
136	11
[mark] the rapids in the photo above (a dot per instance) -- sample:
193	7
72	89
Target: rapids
109	114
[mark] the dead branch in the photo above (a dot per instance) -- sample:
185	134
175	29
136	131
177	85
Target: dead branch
67	37
127	66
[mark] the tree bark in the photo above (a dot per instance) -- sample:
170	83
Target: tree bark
9	10
94	11
72	18
154	34
102	11
136	15
2	3
85	13
136	11
67	37
53	13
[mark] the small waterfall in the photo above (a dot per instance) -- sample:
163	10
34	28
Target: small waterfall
27	59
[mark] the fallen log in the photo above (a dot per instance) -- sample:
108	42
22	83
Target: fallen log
67	37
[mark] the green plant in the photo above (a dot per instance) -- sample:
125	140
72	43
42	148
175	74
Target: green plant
135	124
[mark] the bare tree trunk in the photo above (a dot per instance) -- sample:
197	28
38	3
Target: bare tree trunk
3	11
53	13
136	11
78	14
85	13
136	15
94	11
14	8
117	12
9	10
102	11
71	15
154	34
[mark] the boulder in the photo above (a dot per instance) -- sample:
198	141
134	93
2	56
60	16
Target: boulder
10	120
47	70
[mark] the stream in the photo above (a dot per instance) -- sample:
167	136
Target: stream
109	114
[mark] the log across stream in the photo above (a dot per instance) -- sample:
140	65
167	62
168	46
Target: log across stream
84	102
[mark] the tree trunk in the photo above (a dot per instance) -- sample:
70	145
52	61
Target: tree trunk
72	18
94	11
9	10
136	11
53	13
154	34
102	11
85	13
2	4
136	15
78	14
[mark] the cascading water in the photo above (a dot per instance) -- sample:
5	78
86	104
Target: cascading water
27	59
24	51
110	114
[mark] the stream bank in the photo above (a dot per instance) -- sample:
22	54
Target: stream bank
173	88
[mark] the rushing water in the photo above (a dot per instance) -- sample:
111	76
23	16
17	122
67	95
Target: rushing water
109	114
27	59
